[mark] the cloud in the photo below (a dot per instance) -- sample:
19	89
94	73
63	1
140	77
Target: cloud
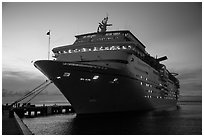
16	74
21	74
19	82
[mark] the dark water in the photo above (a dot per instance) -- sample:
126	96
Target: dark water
187	120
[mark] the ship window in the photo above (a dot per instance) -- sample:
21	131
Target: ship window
58	77
129	47
115	79
81	78
66	74
96	77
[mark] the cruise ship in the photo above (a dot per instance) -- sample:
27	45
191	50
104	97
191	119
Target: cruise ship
110	71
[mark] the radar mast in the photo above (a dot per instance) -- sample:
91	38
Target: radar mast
103	25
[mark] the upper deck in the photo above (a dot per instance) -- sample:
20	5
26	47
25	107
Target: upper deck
109	36
103	38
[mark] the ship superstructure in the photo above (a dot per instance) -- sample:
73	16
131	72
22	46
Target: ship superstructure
110	71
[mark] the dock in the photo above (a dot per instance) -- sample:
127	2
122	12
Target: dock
11	116
14	125
34	111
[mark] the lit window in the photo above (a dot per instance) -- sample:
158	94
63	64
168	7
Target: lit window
129	47
70	51
113	48
58	77
95	77
115	79
107	48
66	74
76	50
118	47
96	49
81	78
101	48
83	50
87	79
124	47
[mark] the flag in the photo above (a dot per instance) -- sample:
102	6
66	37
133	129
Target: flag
48	33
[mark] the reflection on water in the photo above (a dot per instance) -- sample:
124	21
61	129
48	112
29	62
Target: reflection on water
186	120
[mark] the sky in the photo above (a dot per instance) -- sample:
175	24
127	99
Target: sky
171	29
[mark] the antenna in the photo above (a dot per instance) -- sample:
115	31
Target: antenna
106	14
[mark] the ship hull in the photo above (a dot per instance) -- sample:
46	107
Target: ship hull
94	89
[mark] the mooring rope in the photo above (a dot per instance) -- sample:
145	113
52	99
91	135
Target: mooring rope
38	92
31	92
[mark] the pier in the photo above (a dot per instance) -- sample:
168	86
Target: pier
34	111
11	116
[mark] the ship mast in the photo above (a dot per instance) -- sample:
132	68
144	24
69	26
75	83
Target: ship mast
103	25
48	33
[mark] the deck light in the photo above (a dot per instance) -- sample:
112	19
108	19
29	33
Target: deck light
66	74
58	77
115	79
95	77
81	78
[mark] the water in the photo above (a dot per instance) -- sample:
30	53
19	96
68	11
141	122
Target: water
185	121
